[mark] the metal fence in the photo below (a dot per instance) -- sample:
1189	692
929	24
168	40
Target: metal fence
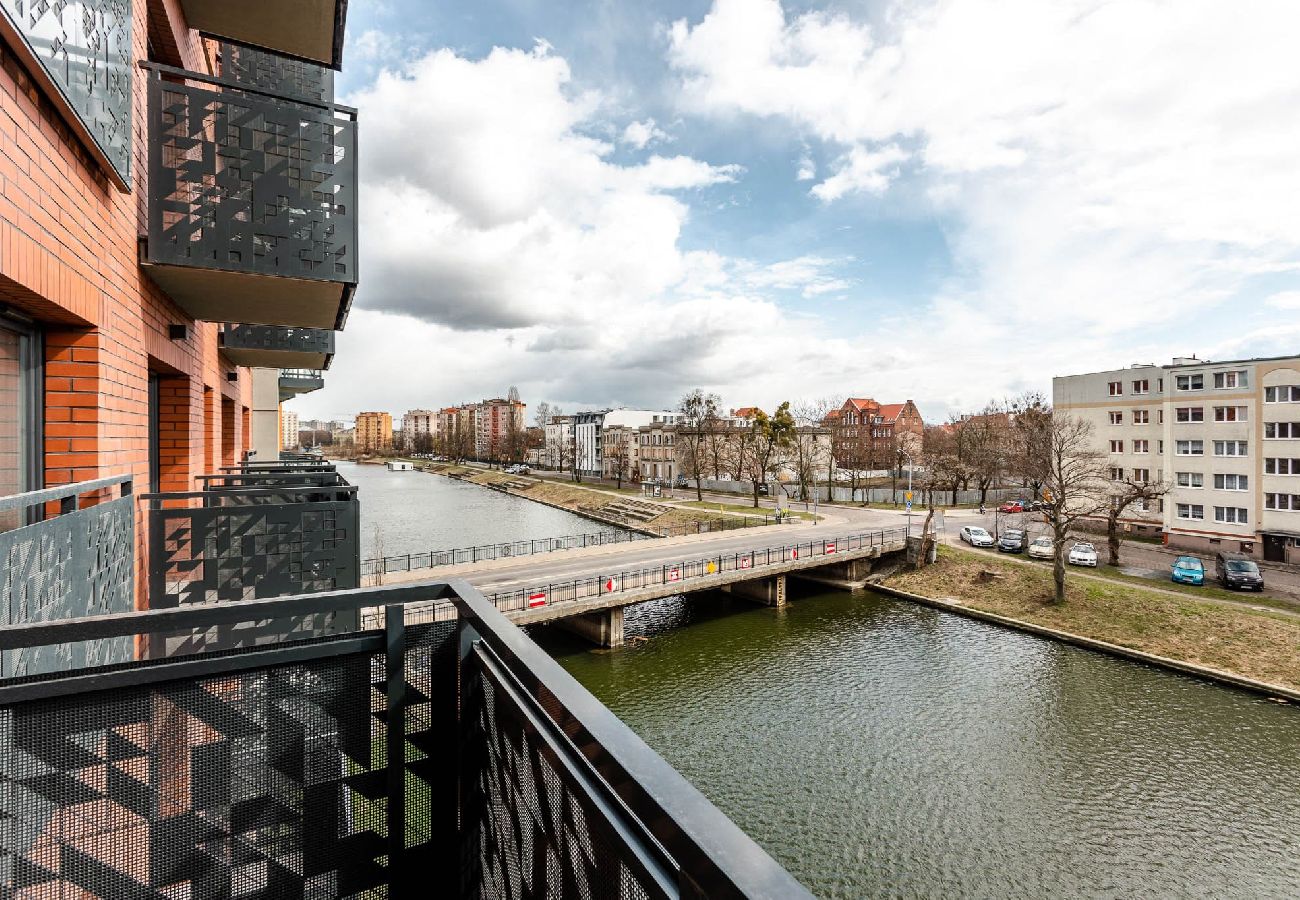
67	561
456	755
617	581
428	559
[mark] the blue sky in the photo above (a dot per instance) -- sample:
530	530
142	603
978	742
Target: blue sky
944	200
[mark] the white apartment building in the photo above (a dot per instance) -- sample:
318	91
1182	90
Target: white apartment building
588	428
288	429
1224	435
419	422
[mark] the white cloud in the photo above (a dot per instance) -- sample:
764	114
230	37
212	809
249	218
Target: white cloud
807	170
640	135
1098	167
1284	300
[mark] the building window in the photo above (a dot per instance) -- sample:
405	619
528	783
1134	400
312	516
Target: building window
1142	386
1141	416
1189	382
1281	466
1281	431
1230	515
1230	482
1287	393
1142	476
1230	448
21	396
1189	448
1116	388
1229	413
1189	414
1191	480
1116	446
1116	418
1141	446
1285	502
1230	379
1116	474
1191	511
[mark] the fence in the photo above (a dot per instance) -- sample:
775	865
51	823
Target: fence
428	559
843	493
681	571
456	755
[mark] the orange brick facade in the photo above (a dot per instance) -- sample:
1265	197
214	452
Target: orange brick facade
69	261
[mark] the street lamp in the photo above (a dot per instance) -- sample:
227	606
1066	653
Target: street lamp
908	457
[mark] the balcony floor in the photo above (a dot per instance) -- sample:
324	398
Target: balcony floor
216	295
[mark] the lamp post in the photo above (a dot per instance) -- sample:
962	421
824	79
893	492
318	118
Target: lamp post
908	457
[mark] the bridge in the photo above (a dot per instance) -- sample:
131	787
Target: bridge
587	590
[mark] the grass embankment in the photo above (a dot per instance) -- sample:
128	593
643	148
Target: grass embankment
744	509
1258	644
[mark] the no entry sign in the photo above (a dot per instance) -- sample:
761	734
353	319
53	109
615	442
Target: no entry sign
536	599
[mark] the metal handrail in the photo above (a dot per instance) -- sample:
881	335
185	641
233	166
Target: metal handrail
64	491
160	69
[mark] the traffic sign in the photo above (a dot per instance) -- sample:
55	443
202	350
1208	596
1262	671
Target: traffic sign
907	495
612	584
830	547
536	599
744	562
674	574
909	504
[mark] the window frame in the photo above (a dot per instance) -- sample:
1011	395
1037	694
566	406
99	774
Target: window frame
1141	417
1191	415
1189	485
1141	386
1241	483
1191	508
1189	442
1239	413
1240	515
31	417
1195	382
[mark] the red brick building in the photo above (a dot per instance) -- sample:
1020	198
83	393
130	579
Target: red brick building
159	236
887	425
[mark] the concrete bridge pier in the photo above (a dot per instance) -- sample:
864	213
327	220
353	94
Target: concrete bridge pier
846	576
768	591
603	628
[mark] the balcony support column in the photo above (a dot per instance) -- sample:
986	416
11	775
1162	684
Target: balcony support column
265	416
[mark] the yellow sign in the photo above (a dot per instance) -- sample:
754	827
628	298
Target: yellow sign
712	567
907	495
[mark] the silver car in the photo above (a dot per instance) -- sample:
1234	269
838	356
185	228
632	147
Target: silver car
976	536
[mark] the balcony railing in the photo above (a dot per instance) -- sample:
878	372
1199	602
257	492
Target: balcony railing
68	562
250	536
299	381
251	200
277	346
455	755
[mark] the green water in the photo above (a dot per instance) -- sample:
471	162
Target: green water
878	748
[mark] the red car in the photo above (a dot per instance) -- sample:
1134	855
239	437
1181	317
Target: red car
1012	506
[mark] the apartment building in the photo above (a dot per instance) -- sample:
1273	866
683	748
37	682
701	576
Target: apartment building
557	443
878	428
374	432
1224	435
656	452
420	430
500	429
288	429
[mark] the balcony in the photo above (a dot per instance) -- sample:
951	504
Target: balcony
299	381
451	752
309	29
67	562
274	346
252	193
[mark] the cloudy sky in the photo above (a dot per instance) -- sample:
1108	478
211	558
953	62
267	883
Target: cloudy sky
609	203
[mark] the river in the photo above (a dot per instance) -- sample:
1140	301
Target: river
412	512
880	748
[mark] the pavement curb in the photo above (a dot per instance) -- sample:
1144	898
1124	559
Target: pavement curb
1204	672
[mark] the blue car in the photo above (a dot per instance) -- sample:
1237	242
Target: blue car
1188	570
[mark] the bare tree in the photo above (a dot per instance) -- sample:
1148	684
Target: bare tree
616	443
812	447
1126	491
1059	455
542	414
700	411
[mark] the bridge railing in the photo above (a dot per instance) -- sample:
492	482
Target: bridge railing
431	559
692	568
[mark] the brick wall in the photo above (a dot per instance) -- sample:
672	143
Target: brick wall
69	259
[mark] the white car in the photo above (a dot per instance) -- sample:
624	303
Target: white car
1083	555
1042	548
976	536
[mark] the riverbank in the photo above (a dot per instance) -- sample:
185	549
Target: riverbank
1260	645
598	504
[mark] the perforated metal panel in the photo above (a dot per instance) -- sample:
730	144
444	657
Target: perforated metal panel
276	73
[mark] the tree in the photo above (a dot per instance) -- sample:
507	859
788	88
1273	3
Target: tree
812	447
616	446
700	413
1124	492
760	443
1059	455
543	413
986	446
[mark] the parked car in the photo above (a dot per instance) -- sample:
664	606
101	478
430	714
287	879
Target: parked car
976	536
1012	506
1238	572
763	490
1034	506
1187	570
681	482
1083	554
1042	548
1012	541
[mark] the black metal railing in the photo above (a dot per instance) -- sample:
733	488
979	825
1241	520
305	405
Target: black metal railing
456	755
250	178
263	343
430	559
65	560
679	573
299	381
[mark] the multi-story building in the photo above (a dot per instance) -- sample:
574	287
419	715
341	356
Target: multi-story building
374	432
1225	437
288	429
500	431
557	443
141	299
420	429
588	426
876	430
656	451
